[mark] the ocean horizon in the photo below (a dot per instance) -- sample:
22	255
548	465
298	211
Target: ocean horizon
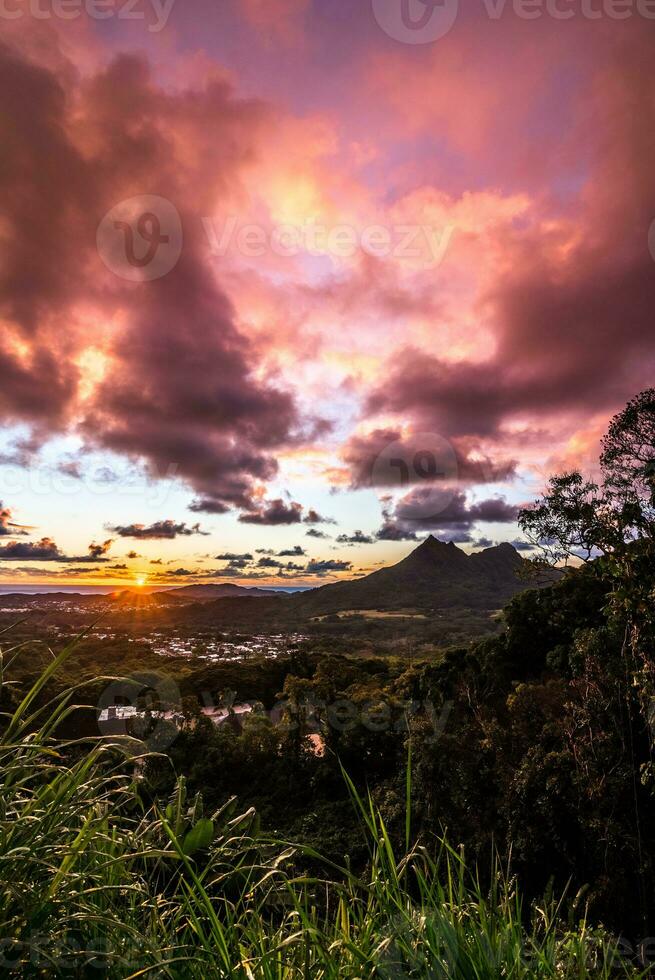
19	588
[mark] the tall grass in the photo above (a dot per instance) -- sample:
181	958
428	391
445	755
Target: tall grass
95	882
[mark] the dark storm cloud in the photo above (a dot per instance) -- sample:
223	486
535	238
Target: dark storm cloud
392	531
158	530
45	190
278	511
266	562
315	567
362	455
418	505
43	550
357	537
420	510
274	512
47	550
237	563
181	393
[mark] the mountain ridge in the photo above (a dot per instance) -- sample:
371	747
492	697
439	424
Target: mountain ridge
434	575
217	590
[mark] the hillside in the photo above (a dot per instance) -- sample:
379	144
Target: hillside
205	592
434	576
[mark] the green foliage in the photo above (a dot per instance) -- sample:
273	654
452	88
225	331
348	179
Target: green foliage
579	517
96	881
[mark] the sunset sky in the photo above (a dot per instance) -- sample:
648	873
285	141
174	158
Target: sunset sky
394	282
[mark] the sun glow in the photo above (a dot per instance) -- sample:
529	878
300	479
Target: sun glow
141	580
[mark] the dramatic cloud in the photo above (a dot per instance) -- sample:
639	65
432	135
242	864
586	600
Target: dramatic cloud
570	306
274	512
7	527
392	458
266	562
237	563
234	571
313	517
423	510
392	531
43	550
419	506
357	537
98	550
279	511
159	530
319	568
47	550
228	556
296	551
492	354
175	386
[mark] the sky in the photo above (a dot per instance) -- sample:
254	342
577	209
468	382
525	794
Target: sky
286	285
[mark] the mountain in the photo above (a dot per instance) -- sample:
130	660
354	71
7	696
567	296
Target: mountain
214	591
434	576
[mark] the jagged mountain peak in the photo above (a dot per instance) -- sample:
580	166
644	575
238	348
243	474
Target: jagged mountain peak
436	574
436	546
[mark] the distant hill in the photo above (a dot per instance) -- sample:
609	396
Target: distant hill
214	591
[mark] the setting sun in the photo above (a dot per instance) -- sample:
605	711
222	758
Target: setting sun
141	580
